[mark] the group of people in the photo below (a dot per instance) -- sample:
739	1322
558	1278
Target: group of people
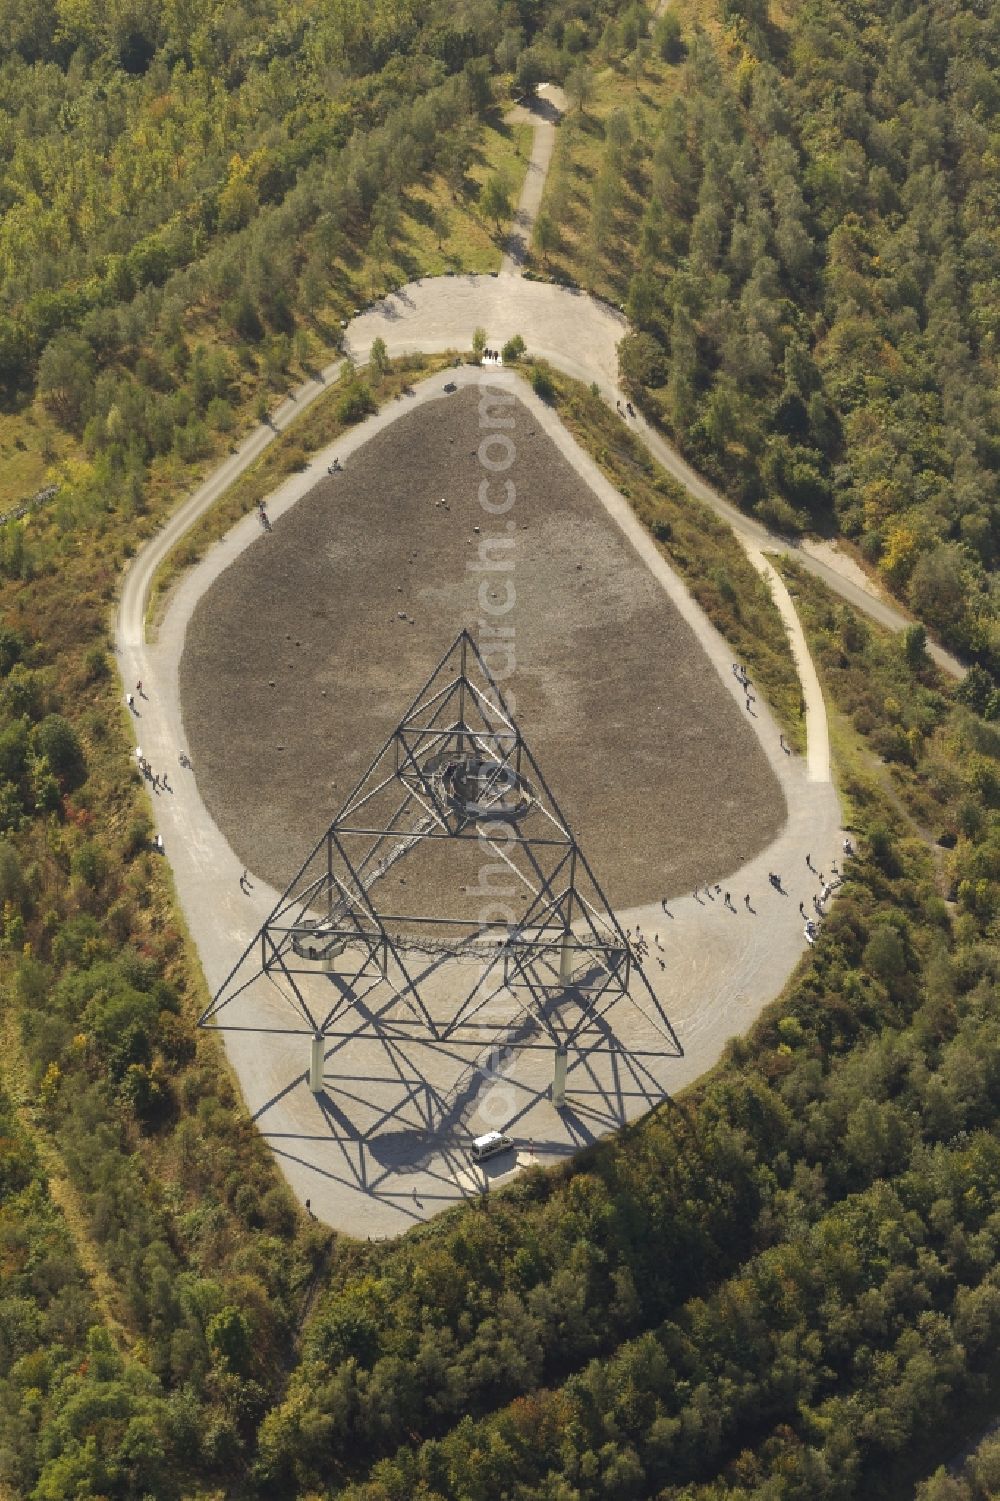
639	946
712	892
627	410
262	516
492	357
743	678
827	888
819	901
158	779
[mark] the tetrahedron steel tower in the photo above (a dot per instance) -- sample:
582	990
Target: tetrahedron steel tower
456	790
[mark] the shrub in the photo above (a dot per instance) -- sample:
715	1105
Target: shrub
513	350
667	38
96	664
11	879
379	360
23	693
138	836
54	740
776	512
11	650
89	864
295	459
355	401
220	415
541	383
915	646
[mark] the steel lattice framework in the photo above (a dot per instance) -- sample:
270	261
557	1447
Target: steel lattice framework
456	768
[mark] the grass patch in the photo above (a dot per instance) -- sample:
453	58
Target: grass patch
440	230
596	247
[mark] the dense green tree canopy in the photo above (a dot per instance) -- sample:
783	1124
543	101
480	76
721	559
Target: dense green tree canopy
783	1285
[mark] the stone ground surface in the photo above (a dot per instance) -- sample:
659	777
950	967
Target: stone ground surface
297	666
385	1145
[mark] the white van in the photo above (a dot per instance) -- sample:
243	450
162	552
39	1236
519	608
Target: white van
489	1145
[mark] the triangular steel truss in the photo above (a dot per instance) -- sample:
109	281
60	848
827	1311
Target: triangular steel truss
456	768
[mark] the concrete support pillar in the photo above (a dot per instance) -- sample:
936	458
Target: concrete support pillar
566	958
559	1079
316	1064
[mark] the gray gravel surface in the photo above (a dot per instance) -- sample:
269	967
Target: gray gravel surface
297	663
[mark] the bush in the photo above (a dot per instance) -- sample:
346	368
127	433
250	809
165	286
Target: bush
11	879
915	646
667	38
96	664
220	415
54	740
12	649
295	460
89	864
776	513
642	361
355	401
541	383
138	837
513	350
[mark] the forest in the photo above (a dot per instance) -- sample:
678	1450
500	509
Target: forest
798	207
783	1284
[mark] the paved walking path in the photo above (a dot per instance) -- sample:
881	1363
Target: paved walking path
543	112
